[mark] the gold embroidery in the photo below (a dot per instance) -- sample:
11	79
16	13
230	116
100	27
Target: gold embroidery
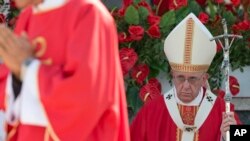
189	41
189	67
40	46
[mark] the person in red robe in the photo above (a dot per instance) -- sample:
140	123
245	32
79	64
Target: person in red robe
61	79
189	111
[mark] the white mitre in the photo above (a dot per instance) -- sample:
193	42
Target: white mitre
188	47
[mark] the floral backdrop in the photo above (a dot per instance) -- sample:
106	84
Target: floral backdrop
142	27
8	12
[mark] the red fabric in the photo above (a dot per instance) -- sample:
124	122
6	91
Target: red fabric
82	91
3	77
153	123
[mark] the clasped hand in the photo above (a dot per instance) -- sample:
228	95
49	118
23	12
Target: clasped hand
14	49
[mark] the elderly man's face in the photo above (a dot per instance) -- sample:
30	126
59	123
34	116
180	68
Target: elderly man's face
24	3
188	85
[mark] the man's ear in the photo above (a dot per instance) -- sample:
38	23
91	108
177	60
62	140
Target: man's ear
204	79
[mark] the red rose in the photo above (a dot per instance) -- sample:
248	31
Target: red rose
149	92
128	58
121	12
219	1
152	20
245	25
176	4
2	18
235	2
166	5
12	4
145	5
155	83
201	2
127	2
234	85
154	31
136	32
122	37
203	17
140	73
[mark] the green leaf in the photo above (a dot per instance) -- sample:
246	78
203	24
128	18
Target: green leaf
143	12
132	15
181	13
133	98
136	1
167	21
211	9
194	7
229	17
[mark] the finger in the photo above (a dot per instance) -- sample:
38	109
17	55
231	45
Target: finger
7	38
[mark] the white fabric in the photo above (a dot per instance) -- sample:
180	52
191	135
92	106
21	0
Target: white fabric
32	111
203	112
48	5
195	102
27	107
12	113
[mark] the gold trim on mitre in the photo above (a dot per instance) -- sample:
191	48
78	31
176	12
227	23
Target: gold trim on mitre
189	67
189	41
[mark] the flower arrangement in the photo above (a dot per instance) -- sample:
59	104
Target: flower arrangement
143	26
8	12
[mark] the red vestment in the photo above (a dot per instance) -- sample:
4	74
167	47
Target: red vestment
154	123
80	83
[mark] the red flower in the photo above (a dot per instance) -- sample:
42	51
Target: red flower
219	93
127	2
148	92
165	5
136	32
234	85
219	1
176	4
201	2
154	31
121	12
235	2
243	26
12	4
203	17
128	58
219	47
152	20
122	37
146	5
155	83
2	18
139	73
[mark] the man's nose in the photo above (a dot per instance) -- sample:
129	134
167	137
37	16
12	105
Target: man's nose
186	84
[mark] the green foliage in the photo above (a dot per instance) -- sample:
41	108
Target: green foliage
132	15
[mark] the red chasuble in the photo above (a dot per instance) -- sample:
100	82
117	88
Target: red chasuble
80	82
154	123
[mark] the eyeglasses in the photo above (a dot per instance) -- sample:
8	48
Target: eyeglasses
192	80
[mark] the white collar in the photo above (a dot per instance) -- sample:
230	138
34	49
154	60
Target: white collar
47	5
195	102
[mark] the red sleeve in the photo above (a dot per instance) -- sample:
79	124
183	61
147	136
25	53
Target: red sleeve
138	126
88	90
3	77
